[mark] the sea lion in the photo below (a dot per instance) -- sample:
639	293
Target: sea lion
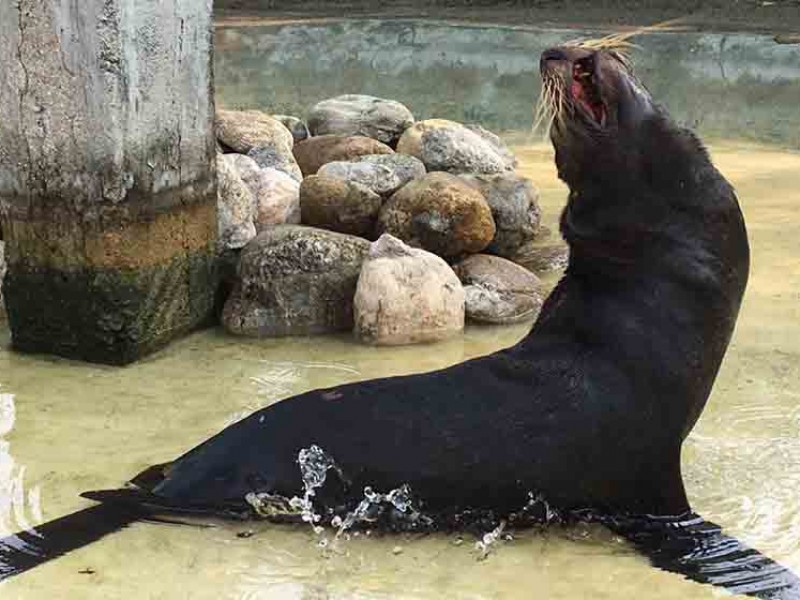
587	412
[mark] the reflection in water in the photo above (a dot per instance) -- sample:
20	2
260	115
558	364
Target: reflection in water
732	85
279	379
15	504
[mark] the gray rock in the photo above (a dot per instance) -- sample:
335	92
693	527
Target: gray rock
449	146
295	280
495	142
384	174
268	157
243	130
440	213
235	205
297	127
358	114
499	291
515	208
339	205
406	295
542	258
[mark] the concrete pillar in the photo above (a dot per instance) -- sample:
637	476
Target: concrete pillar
107	173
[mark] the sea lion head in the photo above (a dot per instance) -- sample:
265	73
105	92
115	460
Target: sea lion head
594	104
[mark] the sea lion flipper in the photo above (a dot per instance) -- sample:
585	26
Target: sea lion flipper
699	550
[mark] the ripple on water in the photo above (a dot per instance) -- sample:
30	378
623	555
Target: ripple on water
726	476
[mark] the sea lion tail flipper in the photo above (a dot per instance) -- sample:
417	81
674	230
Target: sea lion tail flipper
700	551
28	549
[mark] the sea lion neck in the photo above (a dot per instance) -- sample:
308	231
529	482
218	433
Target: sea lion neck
658	265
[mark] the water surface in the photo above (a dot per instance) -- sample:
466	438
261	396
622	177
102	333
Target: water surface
67	427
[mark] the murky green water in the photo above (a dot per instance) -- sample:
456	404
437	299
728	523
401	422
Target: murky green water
67	427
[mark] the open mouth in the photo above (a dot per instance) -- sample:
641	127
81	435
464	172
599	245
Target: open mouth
585	91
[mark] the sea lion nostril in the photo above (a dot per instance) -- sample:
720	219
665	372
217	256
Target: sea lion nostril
554	54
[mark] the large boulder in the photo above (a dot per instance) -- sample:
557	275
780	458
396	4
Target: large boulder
243	130
449	146
384	174
314	152
440	213
515	208
406	295
499	291
339	205
359	114
235	205
295	280
268	157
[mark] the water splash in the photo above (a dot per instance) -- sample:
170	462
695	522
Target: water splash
314	465
489	541
374	505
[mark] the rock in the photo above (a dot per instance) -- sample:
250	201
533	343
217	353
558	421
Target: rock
245	167
515	209
297	127
2	274
314	152
243	130
276	194
406	295
267	157
278	200
440	213
295	280
235	206
542	258
384	174
449	146
358	114
339	205
499	291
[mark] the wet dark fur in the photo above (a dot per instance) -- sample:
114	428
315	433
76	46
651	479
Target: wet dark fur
589	410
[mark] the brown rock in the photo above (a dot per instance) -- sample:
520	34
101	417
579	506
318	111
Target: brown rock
338	205
499	291
243	130
314	152
440	213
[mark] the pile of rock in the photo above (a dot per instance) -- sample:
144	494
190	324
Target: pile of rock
301	203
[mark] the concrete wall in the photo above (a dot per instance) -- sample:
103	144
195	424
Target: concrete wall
107	181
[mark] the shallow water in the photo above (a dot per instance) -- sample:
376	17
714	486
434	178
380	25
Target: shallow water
67	427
